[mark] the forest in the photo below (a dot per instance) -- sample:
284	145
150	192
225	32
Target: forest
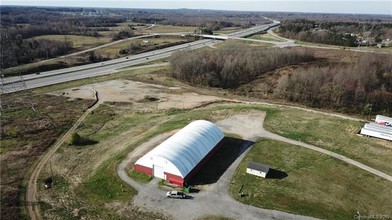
349	34
231	66
363	86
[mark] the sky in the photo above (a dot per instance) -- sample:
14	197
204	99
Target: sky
317	6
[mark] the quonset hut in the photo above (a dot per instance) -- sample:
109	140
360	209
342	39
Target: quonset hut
179	157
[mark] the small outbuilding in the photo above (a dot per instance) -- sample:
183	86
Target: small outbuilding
257	169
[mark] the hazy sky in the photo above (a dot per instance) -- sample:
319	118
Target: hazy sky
333	6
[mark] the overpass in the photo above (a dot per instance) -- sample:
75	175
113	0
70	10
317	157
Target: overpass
15	84
242	33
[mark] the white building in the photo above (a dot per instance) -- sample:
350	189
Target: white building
381	129
178	158
257	169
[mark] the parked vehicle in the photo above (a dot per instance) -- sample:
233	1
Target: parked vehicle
175	195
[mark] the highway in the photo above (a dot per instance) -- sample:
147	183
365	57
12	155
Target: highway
15	84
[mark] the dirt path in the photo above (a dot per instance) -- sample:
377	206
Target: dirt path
31	189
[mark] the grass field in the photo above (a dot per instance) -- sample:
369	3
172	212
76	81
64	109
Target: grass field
267	37
113	50
301	165
118	75
214	217
26	134
337	135
79	42
170	29
316	185
119	129
228	31
251	43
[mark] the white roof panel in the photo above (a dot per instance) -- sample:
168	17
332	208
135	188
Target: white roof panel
185	149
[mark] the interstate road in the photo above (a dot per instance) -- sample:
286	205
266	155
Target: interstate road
14	84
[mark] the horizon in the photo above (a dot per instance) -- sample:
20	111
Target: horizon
380	7
201	9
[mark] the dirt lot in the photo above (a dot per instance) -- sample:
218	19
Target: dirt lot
143	96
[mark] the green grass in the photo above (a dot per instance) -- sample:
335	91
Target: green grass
228	31
113	50
332	133
96	120
140	177
79	42
106	186
267	37
328	132
117	75
316	185
171	29
228	43
60	183
214	217
35	67
4	149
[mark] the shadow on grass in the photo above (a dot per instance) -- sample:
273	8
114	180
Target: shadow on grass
220	161
86	142
276	174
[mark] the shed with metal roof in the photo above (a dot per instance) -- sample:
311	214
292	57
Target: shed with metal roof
179	157
257	169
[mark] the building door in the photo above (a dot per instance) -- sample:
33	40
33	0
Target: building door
158	172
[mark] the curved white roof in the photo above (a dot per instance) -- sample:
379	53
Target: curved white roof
180	153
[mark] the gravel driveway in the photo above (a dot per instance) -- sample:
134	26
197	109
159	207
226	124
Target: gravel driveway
216	200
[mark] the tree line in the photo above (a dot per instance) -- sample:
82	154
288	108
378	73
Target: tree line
209	19
334	33
364	86
27	51
32	21
231	66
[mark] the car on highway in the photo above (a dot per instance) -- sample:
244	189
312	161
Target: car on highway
175	195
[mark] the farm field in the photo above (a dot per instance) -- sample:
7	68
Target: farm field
79	42
112	51
170	29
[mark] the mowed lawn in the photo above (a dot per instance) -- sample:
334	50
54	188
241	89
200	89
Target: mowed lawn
170	29
267	37
316	185
79	42
334	134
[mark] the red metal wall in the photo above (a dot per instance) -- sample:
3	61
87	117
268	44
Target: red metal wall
174	179
143	169
177	179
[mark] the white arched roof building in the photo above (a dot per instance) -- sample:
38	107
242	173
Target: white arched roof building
180	156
